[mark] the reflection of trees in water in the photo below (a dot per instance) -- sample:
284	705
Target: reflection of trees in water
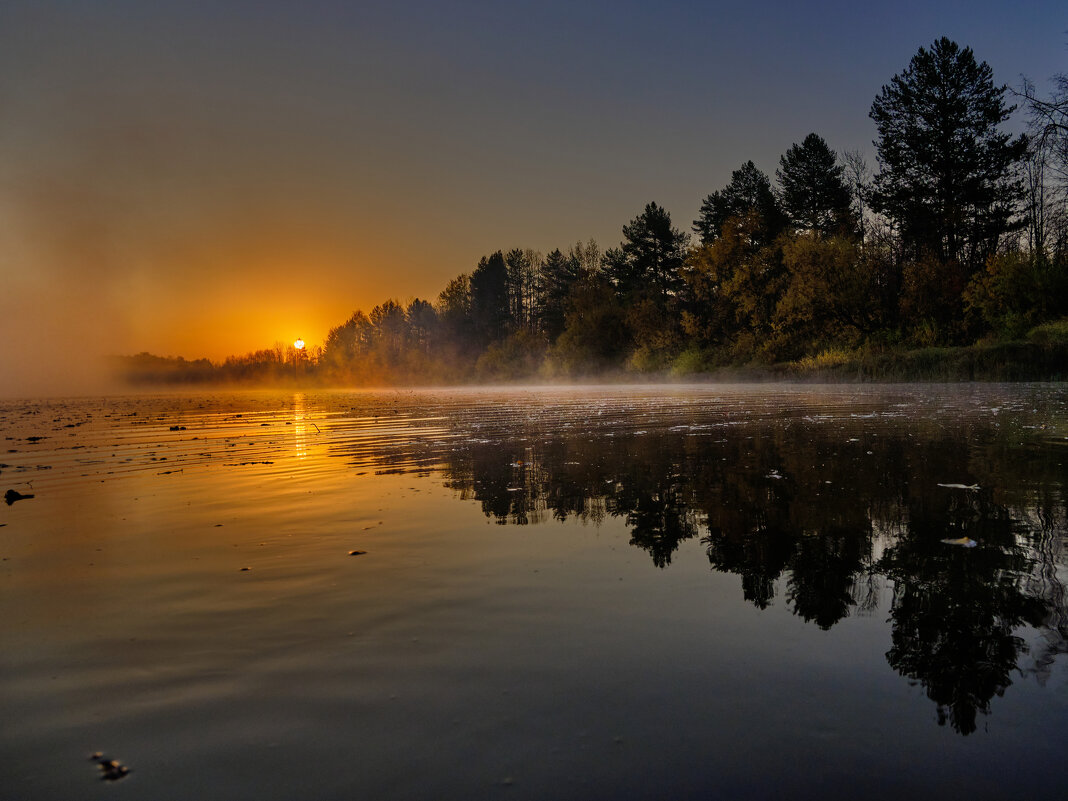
1046	581
659	521
799	508
1039	508
955	610
827	515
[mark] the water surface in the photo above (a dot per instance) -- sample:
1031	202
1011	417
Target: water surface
731	592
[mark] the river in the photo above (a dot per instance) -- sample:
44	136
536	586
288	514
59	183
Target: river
585	592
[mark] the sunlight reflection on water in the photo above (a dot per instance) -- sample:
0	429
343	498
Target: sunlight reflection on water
728	590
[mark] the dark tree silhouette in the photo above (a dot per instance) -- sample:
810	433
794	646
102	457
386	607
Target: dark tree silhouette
423	325
645	271
1049	116
595	333
349	341
947	172
391	328
558	275
812	189
748	192
490	313
955	611
650	256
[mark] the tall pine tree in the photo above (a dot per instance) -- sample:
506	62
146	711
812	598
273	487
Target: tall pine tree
649	258
812	190
947	176
490	312
748	192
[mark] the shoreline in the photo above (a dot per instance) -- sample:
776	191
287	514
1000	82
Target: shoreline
1012	361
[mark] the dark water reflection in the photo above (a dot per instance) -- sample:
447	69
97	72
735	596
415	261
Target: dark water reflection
628	592
824	501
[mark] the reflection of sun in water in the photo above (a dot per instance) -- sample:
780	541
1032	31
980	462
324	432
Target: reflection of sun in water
300	427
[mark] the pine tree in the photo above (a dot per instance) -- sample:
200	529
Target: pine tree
558	275
649	258
749	191
947	172
490	313
812	191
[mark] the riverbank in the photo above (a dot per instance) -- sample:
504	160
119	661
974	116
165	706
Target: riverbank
1040	355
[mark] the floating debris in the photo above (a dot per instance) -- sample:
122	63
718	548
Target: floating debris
357	553
111	770
972	487
964	542
11	496
177	428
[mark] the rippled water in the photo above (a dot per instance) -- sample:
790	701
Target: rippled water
732	592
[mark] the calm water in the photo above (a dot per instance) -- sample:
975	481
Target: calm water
718	592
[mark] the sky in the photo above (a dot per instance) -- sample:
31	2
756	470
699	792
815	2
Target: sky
209	178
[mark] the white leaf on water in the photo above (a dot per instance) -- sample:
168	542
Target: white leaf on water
964	542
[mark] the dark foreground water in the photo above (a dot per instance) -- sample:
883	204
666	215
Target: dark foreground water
719	592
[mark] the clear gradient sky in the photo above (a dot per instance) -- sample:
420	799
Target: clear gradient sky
207	178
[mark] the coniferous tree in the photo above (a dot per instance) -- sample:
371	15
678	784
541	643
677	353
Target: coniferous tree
349	341
422	324
391	327
522	268
454	313
558	275
749	191
812	188
490	312
649	257
645	270
947	172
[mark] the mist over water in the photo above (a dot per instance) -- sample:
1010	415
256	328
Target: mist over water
618	592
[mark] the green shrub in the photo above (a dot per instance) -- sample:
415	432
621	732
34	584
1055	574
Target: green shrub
1053	333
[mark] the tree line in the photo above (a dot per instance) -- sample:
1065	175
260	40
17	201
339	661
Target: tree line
959	234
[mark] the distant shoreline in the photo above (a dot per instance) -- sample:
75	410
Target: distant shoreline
1038	360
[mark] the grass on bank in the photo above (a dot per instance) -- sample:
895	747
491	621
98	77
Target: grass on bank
1041	355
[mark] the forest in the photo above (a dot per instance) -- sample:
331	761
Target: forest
955	242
